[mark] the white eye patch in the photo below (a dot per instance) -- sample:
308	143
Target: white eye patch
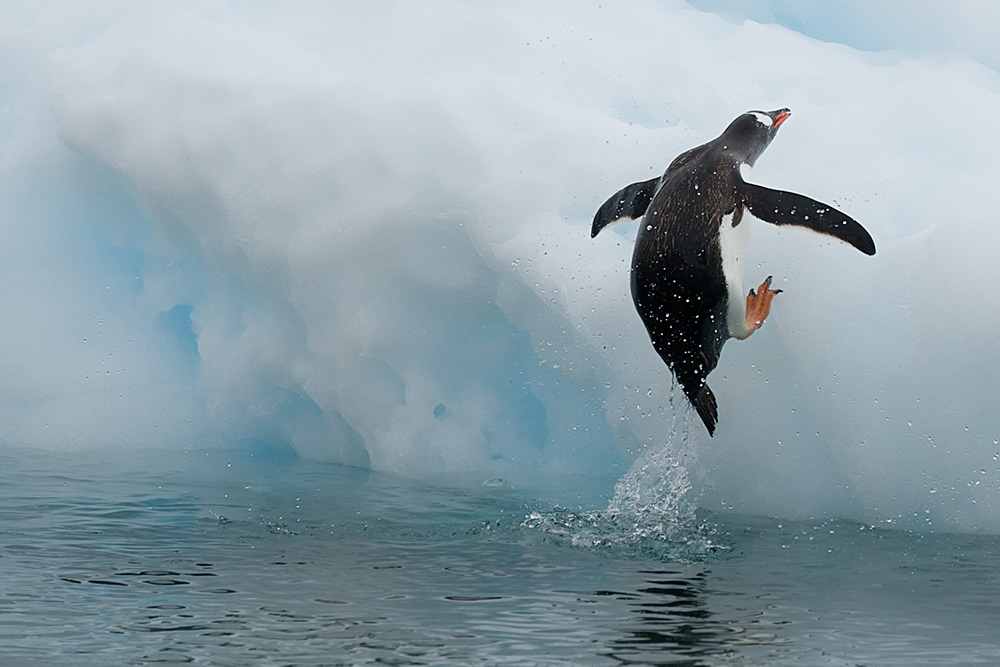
762	118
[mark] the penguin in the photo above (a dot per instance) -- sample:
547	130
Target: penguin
686	277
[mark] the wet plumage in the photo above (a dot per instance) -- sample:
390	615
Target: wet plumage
686	277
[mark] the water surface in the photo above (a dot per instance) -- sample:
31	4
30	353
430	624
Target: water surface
223	558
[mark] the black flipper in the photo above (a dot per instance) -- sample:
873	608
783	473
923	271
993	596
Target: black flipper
787	208
630	202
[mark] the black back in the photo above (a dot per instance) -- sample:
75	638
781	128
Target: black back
677	281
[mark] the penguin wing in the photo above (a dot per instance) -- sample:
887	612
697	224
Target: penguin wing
787	208
630	202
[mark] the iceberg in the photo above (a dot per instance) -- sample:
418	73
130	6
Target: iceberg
361	233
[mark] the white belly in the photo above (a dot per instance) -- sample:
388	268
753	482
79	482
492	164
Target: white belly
733	244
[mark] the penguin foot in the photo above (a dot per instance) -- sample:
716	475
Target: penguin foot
759	304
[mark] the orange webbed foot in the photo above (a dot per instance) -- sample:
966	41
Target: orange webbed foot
759	304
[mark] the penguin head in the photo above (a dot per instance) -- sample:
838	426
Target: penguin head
748	135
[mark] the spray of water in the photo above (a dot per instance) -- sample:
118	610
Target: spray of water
653	510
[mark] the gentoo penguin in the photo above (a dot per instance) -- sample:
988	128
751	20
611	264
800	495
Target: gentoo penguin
687	281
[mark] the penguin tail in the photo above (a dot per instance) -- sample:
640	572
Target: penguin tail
708	409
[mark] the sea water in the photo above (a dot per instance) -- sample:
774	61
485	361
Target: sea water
219	557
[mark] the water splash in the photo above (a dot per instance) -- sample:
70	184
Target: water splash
653	512
655	494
